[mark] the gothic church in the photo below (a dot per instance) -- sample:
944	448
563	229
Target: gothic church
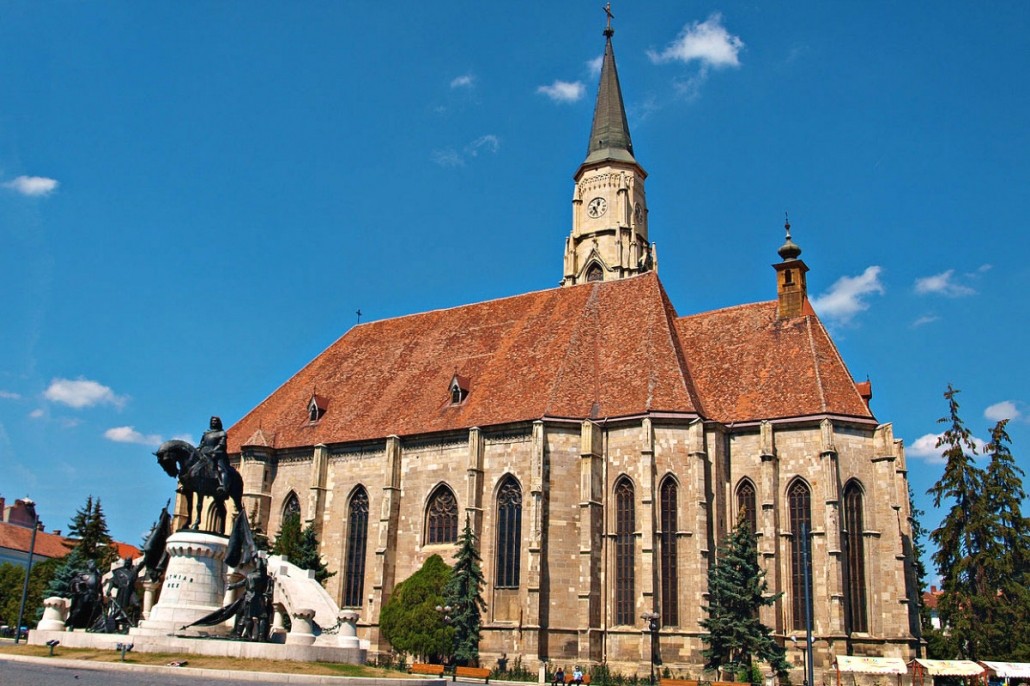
602	446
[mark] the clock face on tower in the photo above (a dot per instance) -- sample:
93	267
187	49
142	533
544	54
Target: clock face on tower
597	207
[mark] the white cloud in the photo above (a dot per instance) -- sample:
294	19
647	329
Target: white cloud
594	65
8	395
127	434
924	320
449	157
82	393
489	143
846	297
463	81
1006	409
925	448
564	91
37	413
32	186
944	284
707	42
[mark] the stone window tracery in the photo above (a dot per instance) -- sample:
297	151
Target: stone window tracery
799	500
291	507
854	550
357	541
625	558
670	579
746	508
509	533
442	517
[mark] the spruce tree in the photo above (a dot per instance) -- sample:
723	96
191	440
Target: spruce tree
464	595
736	592
89	526
1007	566
300	547
962	535
287	541
983	546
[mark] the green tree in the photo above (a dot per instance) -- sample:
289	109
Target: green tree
89	525
12	580
301	547
982	545
464	595
736	592
1008	563
409	619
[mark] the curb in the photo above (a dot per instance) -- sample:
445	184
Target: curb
264	677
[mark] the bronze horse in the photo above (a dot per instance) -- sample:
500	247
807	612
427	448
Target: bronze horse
179	459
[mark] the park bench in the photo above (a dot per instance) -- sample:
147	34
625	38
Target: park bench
423	668
471	673
586	679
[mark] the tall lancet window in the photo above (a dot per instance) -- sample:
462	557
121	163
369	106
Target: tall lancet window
854	549
357	541
746	504
799	500
625	558
442	517
509	533
291	507
670	580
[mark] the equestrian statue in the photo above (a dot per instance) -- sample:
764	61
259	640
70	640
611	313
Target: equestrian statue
204	471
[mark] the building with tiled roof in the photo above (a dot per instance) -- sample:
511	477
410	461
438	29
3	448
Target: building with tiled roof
602	446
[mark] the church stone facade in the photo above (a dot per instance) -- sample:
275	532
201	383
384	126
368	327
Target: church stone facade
602	447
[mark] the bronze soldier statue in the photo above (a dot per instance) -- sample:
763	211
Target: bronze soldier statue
213	448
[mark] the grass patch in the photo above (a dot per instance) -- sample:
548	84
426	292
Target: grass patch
205	661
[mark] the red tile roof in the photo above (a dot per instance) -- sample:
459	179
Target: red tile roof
748	365
608	349
15	537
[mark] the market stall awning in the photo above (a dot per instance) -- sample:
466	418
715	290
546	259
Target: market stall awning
853	664
1009	670
949	667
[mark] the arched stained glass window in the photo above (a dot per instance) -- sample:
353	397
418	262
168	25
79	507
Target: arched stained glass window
854	549
799	500
746	508
670	580
625	525
357	542
442	517
509	533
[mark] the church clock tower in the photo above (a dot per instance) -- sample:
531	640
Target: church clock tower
609	209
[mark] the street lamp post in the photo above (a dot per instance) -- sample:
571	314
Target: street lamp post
28	571
652	628
445	613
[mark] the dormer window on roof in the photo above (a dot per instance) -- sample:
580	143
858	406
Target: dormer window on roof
459	389
316	408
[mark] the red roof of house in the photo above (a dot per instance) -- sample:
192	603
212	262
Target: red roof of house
15	537
607	349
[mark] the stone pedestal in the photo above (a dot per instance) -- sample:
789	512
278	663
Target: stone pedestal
194	586
55	612
348	637
302	633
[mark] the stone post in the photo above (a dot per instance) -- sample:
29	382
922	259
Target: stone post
55	614
302	633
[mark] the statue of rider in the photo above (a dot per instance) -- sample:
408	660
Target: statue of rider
212	447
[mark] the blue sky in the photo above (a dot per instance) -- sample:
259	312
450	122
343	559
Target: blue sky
196	198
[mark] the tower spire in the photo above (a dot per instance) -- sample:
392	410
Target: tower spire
791	284
609	135
609	208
